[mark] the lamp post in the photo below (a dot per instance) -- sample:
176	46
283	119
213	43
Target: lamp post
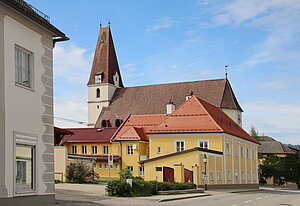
205	162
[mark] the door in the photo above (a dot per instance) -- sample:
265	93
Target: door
168	174
188	175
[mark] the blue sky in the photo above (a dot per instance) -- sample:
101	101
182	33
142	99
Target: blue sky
178	40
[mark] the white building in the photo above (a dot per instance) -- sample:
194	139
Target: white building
26	104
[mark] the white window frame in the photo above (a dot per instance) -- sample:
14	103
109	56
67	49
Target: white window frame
243	176
228	150
211	176
83	149
248	176
254	177
30	141
105	166
117	166
219	176
180	147
141	171
129	149
100	166
94	149
248	153
74	149
105	149
229	175
237	176
242	152
18	81
130	168
203	143
158	150
111	167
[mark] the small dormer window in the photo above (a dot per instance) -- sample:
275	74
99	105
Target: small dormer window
98	78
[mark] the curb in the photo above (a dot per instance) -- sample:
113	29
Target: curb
246	191
181	198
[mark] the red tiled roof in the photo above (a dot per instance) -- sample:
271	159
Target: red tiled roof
98	157
89	135
135	127
197	115
152	99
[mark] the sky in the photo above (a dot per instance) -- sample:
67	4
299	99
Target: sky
178	40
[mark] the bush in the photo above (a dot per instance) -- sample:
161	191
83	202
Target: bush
140	187
118	188
163	186
78	172
125	174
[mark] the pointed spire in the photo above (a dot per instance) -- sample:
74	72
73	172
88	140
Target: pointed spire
105	61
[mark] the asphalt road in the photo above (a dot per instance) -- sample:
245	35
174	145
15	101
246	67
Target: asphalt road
257	198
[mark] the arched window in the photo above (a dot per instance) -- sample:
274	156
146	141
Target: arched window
98	93
105	123
118	122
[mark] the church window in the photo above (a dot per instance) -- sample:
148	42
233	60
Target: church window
239	119
118	122
98	93
105	123
98	78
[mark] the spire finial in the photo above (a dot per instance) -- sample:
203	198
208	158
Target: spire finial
108	22
100	24
226	74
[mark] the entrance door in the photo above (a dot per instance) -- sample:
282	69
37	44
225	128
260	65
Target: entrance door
168	174
188	175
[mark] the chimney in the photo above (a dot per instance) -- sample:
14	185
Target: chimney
189	96
170	107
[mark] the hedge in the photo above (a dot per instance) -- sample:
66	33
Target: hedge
140	187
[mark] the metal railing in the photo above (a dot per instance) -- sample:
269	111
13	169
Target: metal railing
33	9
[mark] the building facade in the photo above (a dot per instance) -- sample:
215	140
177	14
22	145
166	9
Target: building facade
26	104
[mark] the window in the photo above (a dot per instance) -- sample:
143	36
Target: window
130	168
236	150
203	144
105	166
242	152
97	106
118	122
243	176
229	175
249	176
98	93
253	154
248	153
158	150
25	167
158	169
219	176
111	166
117	166
179	146
22	67
83	149
239	119
237	176
105	149
74	149
100	166
228	148
254	176
130	149
203	174
212	176
141	171
94	149
98	78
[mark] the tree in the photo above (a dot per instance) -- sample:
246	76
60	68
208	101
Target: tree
291	169
253	132
78	172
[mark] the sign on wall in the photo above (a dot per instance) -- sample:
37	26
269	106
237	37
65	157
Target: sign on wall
110	160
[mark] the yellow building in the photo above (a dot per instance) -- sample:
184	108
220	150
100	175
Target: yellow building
196	143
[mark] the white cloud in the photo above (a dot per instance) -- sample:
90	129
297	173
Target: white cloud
72	63
162	23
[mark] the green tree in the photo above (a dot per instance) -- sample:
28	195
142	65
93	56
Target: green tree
125	174
253	132
291	169
271	167
79	172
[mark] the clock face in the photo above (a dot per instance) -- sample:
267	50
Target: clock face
98	78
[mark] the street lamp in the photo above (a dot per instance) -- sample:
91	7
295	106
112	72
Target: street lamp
205	162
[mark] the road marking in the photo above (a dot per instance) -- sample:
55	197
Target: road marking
259	198
248	201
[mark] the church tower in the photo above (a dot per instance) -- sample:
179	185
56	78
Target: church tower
105	76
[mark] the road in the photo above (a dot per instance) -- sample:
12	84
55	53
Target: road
257	198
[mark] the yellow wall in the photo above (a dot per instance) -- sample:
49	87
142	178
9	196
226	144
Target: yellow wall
167	144
60	162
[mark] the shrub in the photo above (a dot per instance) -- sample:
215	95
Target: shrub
118	188
125	174
143	188
78	172
163	186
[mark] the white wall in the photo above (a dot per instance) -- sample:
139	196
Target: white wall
24	107
233	114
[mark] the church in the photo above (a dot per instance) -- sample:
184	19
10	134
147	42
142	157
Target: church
109	102
182	132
